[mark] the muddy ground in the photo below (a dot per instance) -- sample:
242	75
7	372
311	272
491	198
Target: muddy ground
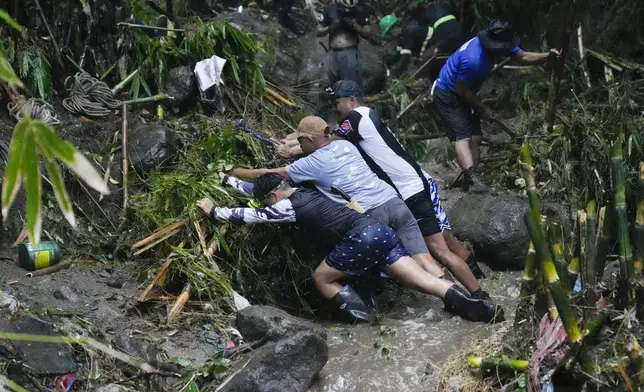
401	352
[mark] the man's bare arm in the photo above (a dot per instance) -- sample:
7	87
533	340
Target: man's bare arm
465	92
321	31
535	57
251	174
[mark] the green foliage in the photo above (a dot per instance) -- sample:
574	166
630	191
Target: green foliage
219	37
31	139
34	66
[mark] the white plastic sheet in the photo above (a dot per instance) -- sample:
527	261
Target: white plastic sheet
209	72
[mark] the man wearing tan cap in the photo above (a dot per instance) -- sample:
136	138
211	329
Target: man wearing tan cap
337	163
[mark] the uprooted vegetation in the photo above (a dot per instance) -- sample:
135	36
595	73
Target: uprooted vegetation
193	264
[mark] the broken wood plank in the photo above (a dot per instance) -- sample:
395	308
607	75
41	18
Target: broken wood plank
180	303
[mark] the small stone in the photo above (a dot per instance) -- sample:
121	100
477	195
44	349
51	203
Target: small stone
66	293
105	274
114	388
115	283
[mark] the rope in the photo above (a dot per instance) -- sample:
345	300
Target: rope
36	108
89	96
241	126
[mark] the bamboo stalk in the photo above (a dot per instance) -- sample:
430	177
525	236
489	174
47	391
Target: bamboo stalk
583	242
55	268
51	35
603	241
555	286
589	277
639	223
164	267
637	360
280	98
160	81
160	232
155	243
124	151
501	363
5	382
138	26
531	186
594	325
154	98
556	239
528	282
178	306
124	82
627	268
582	56
128	359
575	261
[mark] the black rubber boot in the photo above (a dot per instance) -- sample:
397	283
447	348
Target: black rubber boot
480	294
474	267
367	292
475	183
284	18
460	303
350	305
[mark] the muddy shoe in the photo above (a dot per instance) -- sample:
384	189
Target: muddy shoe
475	182
350	305
458	302
474	267
367	291
480	294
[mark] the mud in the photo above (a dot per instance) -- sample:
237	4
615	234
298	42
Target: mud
405	351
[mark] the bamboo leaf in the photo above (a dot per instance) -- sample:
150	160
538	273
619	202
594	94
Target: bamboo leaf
60	192
10	21
73	159
33	187
6	72
13	173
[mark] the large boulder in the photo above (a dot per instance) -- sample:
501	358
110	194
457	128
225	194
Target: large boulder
259	322
181	84
150	146
494	226
288	365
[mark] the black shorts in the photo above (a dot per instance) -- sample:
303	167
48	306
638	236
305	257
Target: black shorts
422	207
458	116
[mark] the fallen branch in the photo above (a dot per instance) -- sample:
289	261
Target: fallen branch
161	232
179	304
138	26
55	268
280	98
582	56
497	363
155	243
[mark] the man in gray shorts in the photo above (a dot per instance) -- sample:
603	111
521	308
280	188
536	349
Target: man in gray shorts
336	162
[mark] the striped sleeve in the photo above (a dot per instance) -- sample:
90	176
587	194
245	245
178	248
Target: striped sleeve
277	213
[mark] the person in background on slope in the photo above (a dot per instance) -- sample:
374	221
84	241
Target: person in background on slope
455	90
362	246
434	32
336	162
388	159
344	22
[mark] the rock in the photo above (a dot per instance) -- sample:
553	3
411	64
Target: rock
115	283
180	83
494	226
288	365
137	347
41	358
66	293
257	322
150	146
114	388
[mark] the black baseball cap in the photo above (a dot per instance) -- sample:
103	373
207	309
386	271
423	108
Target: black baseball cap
499	37
346	88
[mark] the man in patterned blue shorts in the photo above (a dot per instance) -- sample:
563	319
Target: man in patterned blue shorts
361	246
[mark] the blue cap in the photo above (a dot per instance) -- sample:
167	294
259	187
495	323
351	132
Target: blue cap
346	88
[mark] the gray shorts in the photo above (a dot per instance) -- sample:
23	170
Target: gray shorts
395	214
344	64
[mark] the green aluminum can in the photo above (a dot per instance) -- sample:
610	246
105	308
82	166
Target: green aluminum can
43	255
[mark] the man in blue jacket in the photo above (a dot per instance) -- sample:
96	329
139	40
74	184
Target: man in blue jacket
461	78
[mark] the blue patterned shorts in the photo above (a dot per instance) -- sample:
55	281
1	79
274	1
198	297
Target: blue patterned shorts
368	251
441	216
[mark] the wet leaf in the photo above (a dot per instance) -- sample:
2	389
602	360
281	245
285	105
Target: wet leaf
6	72
5	16
64	202
192	387
33	187
13	173
73	159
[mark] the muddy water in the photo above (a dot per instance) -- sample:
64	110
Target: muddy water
404	353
